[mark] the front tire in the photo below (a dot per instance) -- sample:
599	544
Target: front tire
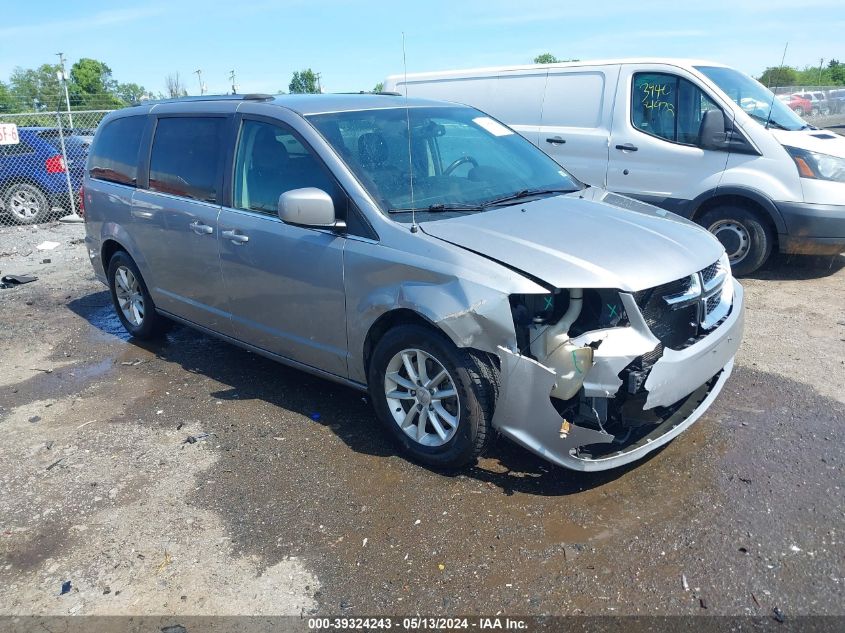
747	239
132	300
26	203
435	399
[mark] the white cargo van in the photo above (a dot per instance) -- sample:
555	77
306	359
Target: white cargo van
697	138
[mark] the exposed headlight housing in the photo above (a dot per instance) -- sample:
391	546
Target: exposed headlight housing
817	166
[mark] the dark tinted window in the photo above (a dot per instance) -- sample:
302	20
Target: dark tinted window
669	107
272	160
185	156
114	154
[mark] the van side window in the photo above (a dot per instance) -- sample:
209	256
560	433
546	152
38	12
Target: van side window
114	153
272	160
668	107
185	156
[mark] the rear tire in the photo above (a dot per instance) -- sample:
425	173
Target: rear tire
747	239
132	300
26	203
403	398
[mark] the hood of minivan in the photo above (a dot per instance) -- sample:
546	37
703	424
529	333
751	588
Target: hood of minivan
587	239
820	141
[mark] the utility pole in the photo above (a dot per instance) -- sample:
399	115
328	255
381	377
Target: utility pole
821	61
198	73
232	79
63	79
319	85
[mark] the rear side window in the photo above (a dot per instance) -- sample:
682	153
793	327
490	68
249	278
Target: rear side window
185	157
668	107
114	154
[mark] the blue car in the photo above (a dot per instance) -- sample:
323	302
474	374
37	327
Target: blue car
33	173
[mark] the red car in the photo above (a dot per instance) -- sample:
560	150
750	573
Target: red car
797	103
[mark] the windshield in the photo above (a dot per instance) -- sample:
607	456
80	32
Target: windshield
754	98
462	159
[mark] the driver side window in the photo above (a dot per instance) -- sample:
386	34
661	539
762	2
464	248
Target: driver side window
668	107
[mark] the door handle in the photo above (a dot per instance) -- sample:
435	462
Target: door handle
556	140
237	238
628	147
201	229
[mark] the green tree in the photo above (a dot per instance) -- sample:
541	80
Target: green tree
837	72
37	88
775	76
131	93
378	87
91	85
7	99
304	82
546	58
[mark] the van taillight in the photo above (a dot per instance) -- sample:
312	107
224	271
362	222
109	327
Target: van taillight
55	165
81	206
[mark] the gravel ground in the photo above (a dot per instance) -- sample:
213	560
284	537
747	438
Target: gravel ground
192	477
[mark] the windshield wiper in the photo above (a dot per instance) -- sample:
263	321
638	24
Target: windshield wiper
525	193
767	122
439	208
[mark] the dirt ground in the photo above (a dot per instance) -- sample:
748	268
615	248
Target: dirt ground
192	477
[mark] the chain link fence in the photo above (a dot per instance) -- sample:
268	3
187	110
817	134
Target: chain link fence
42	159
822	106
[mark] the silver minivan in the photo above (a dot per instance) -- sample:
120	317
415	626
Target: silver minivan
424	252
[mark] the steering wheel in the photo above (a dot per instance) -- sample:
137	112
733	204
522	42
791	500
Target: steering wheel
458	162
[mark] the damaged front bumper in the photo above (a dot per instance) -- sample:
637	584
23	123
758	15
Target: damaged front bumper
684	382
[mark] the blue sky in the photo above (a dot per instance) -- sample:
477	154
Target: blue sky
354	44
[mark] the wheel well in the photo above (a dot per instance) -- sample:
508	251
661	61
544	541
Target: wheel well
388	321
738	201
110	247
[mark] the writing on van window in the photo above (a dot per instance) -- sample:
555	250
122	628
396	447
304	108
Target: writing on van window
657	96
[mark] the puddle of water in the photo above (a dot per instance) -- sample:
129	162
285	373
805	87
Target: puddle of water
106	324
559	531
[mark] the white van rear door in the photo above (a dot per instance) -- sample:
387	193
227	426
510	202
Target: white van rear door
654	152
576	120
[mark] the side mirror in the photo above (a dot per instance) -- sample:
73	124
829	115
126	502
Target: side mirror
712	133
308	207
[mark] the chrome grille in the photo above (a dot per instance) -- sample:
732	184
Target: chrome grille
682	311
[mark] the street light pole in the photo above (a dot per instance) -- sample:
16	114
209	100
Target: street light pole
63	79
198	73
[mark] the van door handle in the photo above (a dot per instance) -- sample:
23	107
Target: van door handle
201	229
556	140
628	147
237	238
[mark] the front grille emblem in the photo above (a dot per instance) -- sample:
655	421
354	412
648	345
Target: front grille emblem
697	293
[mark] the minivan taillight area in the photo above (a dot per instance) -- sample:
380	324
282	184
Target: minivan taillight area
55	165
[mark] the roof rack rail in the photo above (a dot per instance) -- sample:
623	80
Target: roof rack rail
253	96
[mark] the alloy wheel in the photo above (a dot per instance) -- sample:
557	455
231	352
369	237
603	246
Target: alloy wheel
129	295
422	397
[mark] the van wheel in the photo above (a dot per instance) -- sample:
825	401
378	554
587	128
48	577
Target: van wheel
747	239
132	301
26	203
435	399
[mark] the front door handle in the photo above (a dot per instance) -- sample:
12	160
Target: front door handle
628	147
237	238
556	140
201	229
